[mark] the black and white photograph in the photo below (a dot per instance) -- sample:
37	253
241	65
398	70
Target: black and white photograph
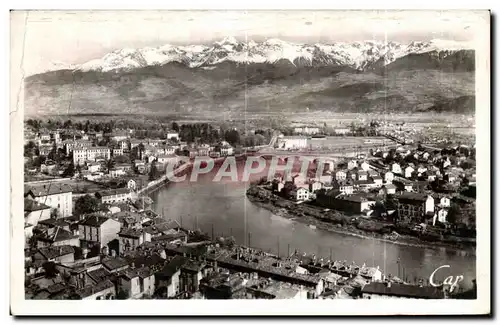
185	157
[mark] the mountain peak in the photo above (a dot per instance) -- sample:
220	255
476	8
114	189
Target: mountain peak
360	55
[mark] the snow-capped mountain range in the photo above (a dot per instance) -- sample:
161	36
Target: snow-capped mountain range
356	55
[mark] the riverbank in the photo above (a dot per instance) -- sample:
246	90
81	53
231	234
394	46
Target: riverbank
343	224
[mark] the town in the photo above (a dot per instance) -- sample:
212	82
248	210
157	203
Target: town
92	233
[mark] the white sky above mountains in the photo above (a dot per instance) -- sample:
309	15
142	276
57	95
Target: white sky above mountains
55	38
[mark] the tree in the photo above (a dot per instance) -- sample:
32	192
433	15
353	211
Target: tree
70	171
453	213
86	204
122	294
29	149
175	126
110	164
152	171
233	137
50	269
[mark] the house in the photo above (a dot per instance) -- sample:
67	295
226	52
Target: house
104	290
114	264
35	212
191	274
440	216
306	130
414	207
59	254
98	231
192	153
169	276
292	142
93	167
388	177
409	171
56	196
137	282
349	203
129	239
426	155
124	145
351	164
117	152
344	187
389	189
90	153
450	178
342	131
300	194
421	169
226	150
340	175
396	168
116	172
385	290
444	202
204	151
362	175
365	166
315	186
132	185
114	195
57	236
172	135
170	159
370	273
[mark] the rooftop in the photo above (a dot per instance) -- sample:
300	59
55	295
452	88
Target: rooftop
114	192
30	205
403	290
49	189
113	263
51	252
94	221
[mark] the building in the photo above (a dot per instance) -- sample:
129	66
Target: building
388	290
351	164
388	177
35	212
306	130
90	153
377	180
342	131
129	239
116	172
315	186
396	168
57	236
349	203
98	231
340	175
300	194
444	202
365	166
169	276
117	152
56	196
114	196
440	215
226	150
93	167
292	142
409	171
389	189
170	159
104	290
414	207
137	282
172	135
59	254
132	185
362	175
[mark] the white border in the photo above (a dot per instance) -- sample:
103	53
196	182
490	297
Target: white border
19	306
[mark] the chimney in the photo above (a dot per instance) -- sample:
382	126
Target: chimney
389	284
132	266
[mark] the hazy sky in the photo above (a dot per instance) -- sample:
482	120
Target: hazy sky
76	37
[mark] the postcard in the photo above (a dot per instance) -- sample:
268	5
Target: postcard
258	162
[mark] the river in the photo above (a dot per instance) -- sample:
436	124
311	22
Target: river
222	207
